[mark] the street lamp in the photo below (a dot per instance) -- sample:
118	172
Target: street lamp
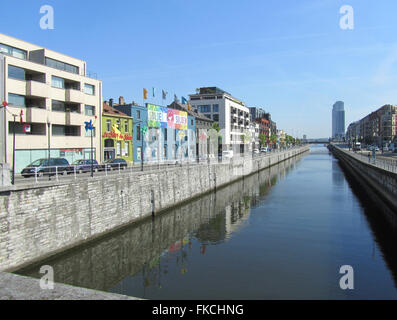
13	152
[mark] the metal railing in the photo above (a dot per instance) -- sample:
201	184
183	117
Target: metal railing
39	175
367	157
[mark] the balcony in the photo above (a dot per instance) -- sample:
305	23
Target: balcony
37	89
74	96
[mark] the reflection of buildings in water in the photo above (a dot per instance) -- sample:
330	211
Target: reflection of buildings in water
142	252
338	178
236	215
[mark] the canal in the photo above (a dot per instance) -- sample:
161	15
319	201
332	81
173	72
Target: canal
282	233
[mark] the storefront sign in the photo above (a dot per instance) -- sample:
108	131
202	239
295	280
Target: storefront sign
114	135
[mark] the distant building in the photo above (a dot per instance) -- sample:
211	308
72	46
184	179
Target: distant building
232	115
203	125
338	120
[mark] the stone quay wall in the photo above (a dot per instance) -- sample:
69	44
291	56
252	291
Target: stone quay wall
41	221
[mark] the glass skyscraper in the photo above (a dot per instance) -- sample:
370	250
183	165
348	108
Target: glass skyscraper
338	120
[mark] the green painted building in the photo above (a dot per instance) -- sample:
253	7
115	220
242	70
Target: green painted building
117	134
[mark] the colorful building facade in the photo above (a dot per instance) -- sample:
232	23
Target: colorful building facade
117	134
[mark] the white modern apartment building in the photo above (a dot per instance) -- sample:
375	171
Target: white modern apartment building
232	115
55	98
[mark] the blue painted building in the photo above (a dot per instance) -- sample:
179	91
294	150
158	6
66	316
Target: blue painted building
162	142
140	120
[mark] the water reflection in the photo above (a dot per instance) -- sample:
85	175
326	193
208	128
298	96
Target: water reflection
282	233
141	255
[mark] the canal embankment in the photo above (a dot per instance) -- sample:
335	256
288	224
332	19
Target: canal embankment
41	221
380	179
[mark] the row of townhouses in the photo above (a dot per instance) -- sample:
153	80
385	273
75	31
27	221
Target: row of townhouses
53	107
379	127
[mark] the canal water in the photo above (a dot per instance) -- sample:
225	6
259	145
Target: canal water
282	233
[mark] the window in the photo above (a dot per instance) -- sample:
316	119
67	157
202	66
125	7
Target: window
89	110
138	132
126	149
16	73
215	108
165	134
61	66
58	130
118	125
89	89
216	117
118	148
62	107
204	108
16	100
126	128
108	125
57	82
138	114
11	51
191	122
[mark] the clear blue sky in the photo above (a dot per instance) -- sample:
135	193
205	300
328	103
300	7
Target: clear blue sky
289	57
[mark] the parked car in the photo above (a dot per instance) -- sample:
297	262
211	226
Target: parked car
115	164
256	151
85	165
41	167
264	150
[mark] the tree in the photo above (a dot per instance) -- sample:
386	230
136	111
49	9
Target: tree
262	139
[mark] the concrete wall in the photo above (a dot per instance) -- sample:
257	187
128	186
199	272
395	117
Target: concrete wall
40	221
382	182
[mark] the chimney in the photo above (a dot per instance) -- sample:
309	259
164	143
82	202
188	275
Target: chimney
111	102
121	101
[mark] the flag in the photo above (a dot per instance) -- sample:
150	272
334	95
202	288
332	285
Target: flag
189	107
21	116
184	101
154	92
165	95
145	92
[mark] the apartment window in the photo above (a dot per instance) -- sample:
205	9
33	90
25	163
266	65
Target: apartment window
138	132
138	114
58	130
108	125
204	108
118	125
216	117
11	51
57	82
126	128
16	100
62	107
16	73
61	66
89	89
215	108
191	122
89	110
